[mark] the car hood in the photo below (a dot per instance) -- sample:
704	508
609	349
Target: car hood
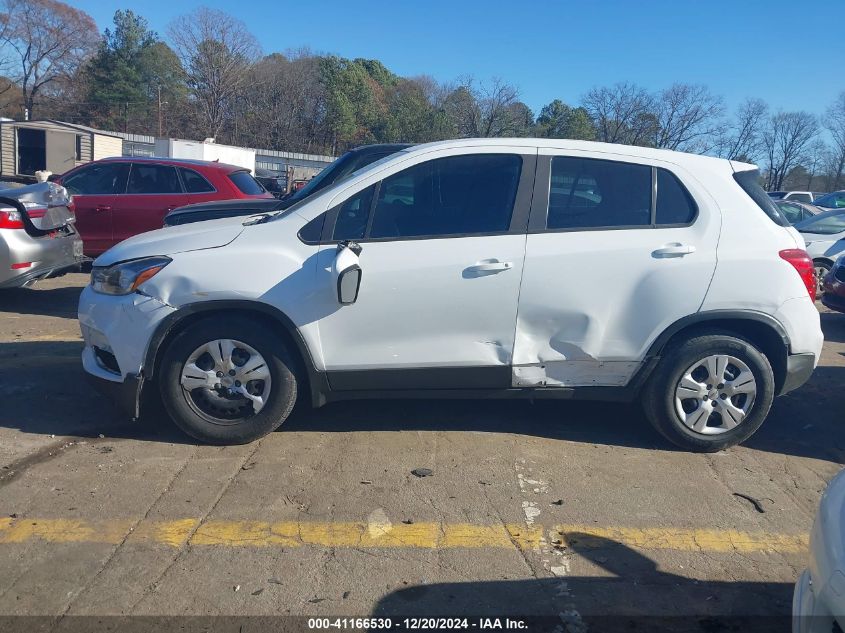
175	239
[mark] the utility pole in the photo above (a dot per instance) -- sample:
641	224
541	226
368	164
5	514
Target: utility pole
159	111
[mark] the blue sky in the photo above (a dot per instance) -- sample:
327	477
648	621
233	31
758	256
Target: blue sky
773	49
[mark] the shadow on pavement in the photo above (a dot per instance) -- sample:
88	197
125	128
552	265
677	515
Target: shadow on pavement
833	325
44	391
48	394
626	592
51	297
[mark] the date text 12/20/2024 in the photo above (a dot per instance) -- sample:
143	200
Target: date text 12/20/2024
417	624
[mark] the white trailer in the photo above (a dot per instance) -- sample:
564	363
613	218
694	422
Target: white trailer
197	150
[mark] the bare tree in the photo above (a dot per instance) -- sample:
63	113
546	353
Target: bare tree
486	110
435	92
623	113
47	40
834	121
282	108
743	138
786	140
216	50
687	114
814	161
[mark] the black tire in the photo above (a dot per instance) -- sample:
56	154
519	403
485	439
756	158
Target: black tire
658	398
239	429
820	268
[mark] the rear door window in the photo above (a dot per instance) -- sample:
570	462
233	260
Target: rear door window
153	179
587	193
674	203
246	184
194	182
98	179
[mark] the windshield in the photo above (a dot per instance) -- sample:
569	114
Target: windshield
835	200
777	195
327	176
824	225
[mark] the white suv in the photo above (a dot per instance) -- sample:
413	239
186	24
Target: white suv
494	268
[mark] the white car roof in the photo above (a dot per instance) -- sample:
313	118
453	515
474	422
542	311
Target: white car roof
679	158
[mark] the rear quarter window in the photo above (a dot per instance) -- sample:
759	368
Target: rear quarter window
749	181
246	184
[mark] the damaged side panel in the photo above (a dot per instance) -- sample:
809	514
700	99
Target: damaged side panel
582	373
592	300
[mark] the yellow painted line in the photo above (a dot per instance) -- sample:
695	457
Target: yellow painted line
215	533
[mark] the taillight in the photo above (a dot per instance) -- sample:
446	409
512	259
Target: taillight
802	263
36	212
10	219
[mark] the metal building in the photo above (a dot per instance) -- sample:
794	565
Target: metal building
56	146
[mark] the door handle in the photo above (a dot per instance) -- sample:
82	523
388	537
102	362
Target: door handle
102	208
675	249
489	266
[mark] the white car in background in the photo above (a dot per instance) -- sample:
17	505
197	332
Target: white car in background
819	596
797	196
824	237
469	268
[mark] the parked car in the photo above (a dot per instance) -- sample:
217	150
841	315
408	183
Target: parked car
798	196
273	182
835	200
824	237
117	198
37	235
467	268
818	602
350	162
833	285
797	211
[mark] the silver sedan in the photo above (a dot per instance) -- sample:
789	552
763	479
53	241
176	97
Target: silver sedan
37	234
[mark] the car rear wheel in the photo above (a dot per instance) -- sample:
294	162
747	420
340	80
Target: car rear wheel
227	381
709	392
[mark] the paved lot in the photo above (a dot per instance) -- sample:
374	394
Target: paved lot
534	509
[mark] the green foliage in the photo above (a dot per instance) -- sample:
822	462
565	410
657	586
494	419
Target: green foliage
356	99
129	68
558	120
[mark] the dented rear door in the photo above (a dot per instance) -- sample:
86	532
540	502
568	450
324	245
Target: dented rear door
603	274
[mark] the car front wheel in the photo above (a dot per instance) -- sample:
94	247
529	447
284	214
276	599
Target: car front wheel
709	392
227	381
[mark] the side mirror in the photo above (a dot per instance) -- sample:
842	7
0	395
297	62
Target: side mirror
347	272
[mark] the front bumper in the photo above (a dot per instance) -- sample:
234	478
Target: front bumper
808	614
126	394
118	329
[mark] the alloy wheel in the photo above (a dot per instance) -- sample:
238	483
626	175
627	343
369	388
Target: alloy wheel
715	394
226	380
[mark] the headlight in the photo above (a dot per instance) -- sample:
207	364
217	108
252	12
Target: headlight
124	277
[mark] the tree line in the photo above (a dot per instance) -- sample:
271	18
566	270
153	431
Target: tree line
208	78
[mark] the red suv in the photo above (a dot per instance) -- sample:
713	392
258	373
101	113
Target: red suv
117	198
